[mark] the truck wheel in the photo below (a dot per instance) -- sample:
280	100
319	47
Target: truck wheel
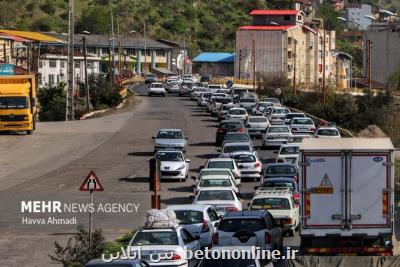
29	132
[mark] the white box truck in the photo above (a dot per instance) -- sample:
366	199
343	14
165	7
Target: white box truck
347	196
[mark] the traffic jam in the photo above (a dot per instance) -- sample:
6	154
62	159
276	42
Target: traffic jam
314	185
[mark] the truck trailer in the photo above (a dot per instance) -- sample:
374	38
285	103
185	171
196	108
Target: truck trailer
18	103
347	196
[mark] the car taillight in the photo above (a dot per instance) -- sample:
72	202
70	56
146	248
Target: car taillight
205	227
176	257
316	136
312	129
231	209
289	221
267	238
258	164
215	239
220	130
241	130
296	196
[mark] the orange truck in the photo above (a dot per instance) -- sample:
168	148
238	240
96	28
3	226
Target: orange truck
18	102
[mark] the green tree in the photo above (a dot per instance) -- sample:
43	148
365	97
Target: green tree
95	19
52	101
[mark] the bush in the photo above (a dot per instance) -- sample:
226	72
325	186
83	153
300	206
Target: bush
52	101
101	94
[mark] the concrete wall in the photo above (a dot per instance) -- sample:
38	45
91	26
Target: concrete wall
385	54
215	69
357	15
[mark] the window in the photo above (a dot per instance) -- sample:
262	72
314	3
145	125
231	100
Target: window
77	64
62	78
58	78
286	17
299	17
62	64
187	238
289	54
40	78
289	67
91	50
40	64
52	63
51	79
212	214
89	65
289	40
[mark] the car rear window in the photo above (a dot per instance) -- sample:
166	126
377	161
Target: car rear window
278	184
220	164
237	111
294	115
257	119
248	100
189	216
214	172
236	224
236	137
328	132
302	121
169	135
215	183
278	129
244	158
155	238
289	150
270	204
230	149
279	111
231	125
281	170
215	195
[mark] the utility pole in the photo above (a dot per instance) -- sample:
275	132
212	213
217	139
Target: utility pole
119	47
145	47
369	66
323	68
71	68
113	47
294	66
86	75
5	52
110	66
254	63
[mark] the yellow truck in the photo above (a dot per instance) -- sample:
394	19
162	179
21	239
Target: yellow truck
18	103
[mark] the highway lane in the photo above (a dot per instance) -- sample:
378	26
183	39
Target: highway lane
116	148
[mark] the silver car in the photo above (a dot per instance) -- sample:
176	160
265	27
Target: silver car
237	114
249	165
197	92
203	99
217	171
302	126
277	115
173	164
276	135
248	103
230	148
257	125
170	139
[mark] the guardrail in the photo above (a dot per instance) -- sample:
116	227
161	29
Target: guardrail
133	80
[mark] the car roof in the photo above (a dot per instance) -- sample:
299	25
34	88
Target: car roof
327	128
280	164
237	144
171	130
196	207
290	144
245	213
218	176
276	179
276	126
166	150
241	153
215	169
119	263
251	117
216	188
236	133
231	121
220	159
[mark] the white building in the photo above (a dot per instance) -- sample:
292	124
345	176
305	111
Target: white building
357	15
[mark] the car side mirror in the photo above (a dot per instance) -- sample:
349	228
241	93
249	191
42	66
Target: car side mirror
219	150
187	138
153	137
256	187
276	152
193	177
248	205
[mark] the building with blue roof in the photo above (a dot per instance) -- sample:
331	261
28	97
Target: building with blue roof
214	63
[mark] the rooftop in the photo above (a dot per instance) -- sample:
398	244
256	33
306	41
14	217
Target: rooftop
274	12
268	28
215	57
334	144
32	36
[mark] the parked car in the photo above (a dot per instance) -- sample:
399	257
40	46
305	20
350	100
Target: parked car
280	203
156	89
248	103
276	135
249	228
327	132
150	78
117	263
199	220
217	171
282	183
302	126
237	114
289	116
257	125
223	163
249	165
221	198
223	181
229	148
161	240
277	115
173	164
280	170
228	126
233	137
170	139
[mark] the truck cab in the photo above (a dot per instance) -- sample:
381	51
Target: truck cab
18	103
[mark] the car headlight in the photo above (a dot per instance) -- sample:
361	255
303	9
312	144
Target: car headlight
181	167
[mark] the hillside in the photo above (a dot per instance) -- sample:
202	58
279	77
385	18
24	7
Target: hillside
209	24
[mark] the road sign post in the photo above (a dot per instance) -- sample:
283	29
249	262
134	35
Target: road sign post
91	183
154	182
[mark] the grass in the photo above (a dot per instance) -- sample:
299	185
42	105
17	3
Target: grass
115	246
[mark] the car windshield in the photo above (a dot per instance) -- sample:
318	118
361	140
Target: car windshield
229	262
155	238
236	137
244	158
189	216
279	111
169	135
215	195
230	149
248	100
280	169
214	87
328	132
278	184
238	91
226	107
169	156
289	150
215	183
13	102
220	164
257	119
206	95
214	172
225	100
270	204
237	111
231	125
302	121
278	129
236	224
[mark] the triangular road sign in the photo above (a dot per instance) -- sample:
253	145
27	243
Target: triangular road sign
91	183
325	181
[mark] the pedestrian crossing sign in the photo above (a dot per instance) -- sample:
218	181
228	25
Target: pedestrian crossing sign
91	183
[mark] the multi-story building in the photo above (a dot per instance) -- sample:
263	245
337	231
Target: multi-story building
284	46
357	15
343	70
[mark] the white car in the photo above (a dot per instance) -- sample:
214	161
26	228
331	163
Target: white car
257	125
197	92
276	135
156	89
281	204
249	165
289	116
296	139
277	115
302	126
288	153
223	199
208	181
216	171
214	87
203	99
327	132
261	108
273	100
230	148
173	164
160	240
174	88
237	114
224	163
198	220
223	111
